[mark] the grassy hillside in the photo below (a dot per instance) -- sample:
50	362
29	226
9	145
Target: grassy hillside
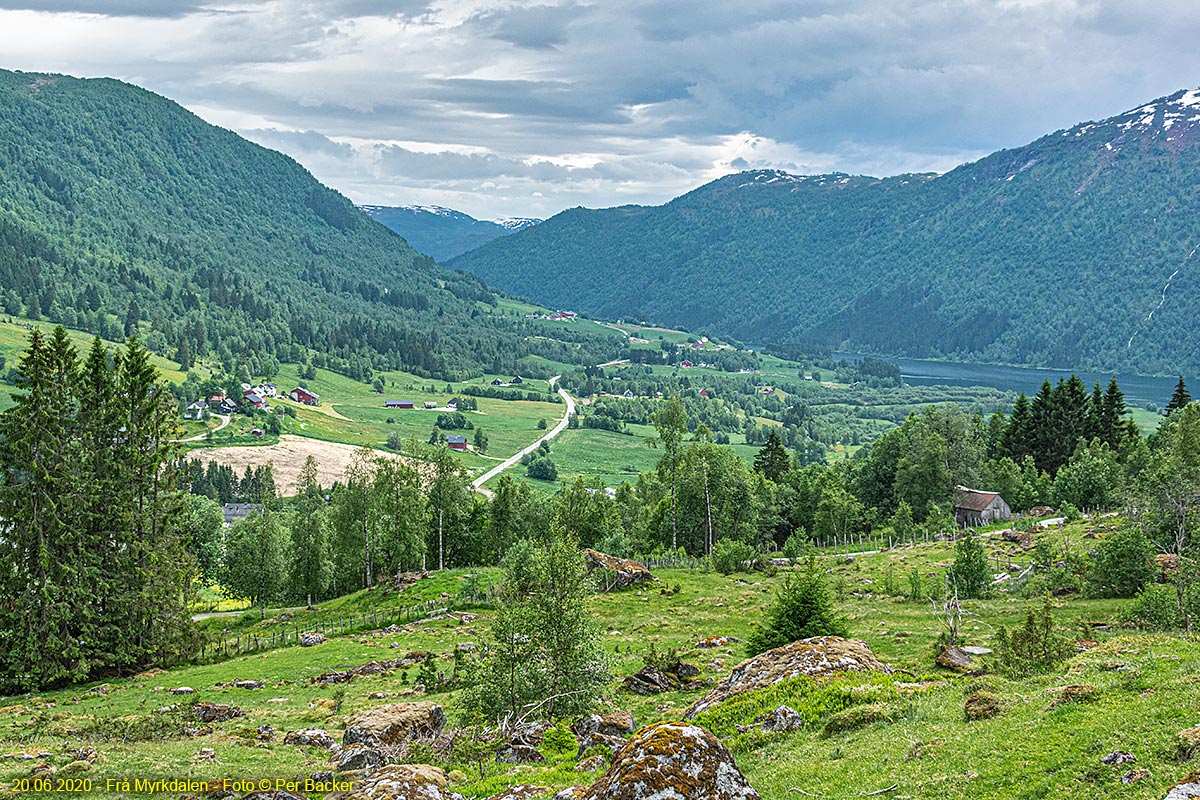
1142	691
122	211
1052	254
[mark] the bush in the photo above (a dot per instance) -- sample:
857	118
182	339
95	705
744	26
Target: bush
730	555
803	608
559	741
857	717
1035	647
1124	563
1156	607
970	573
542	469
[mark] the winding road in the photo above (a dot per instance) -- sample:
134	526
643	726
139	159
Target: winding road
225	420
515	459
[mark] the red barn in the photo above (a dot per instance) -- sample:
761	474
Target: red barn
304	396
456	442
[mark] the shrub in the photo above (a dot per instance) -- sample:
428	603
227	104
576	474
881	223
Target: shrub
542	469
1123	564
803	608
982	704
1156	607
559	741
1034	647
730	555
857	717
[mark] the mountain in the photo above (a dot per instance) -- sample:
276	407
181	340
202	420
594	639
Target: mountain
1077	250
120	212
443	232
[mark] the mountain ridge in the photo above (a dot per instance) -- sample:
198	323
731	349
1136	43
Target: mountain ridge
1050	254
441	232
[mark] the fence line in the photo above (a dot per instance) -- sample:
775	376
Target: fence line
290	634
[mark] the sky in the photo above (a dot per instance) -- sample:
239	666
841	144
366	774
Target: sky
516	108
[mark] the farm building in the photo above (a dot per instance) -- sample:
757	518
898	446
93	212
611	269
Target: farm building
398	404
430	404
456	442
236	511
516	381
302	395
973	507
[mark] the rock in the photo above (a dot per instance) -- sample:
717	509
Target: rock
616	723
591	764
248	684
311	639
1134	775
183	690
620	573
396	782
1187	789
972	650
216	712
1021	538
406	579
519	754
1041	511
1187	743
265	733
85	753
394	723
670	760
206	754
104	688
648	680
818	657
369	668
716	641
955	658
683	670
571	793
467	647
357	756
76	767
1118	757
522	792
310	737
781	720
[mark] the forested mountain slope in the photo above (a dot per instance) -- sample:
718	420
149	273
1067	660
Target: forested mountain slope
121	211
443	232
1073	251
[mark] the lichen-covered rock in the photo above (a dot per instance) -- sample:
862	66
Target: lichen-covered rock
620	573
1187	789
357	757
571	793
818	657
519	754
400	782
671	760
955	658
1188	743
216	712
394	723
591	764
615	723
522	792
716	641
781	720
311	639
648	680
310	737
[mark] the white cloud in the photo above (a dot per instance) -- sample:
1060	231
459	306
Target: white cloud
524	107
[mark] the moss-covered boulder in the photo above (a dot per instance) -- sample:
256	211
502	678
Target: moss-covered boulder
672	760
818	657
394	723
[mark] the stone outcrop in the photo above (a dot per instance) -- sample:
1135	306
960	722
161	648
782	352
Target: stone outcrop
310	737
670	760
311	639
400	782
391	724
603	730
818	657
619	573
370	668
716	641
216	712
782	720
652	680
1187	789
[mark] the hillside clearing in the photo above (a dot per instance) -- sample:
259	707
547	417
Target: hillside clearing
287	457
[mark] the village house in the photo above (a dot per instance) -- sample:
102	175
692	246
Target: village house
302	395
456	442
255	400
196	410
685	363
452	405
973	507
497	382
516	381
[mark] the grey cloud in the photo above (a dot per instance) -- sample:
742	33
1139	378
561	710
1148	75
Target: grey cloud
534	27
110	8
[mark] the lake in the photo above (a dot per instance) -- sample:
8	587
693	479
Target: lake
1138	389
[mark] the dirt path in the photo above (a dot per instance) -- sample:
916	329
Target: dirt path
225	420
513	460
288	458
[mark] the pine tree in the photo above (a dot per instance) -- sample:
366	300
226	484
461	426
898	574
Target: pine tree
1180	398
1016	442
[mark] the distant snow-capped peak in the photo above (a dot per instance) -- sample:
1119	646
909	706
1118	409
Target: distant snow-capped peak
515	224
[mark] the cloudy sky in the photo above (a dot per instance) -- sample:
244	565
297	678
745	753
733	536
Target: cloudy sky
526	108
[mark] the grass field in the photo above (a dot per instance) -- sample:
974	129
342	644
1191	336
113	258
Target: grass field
14	338
1140	691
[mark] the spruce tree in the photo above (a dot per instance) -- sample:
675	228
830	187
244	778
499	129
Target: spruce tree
772	459
1016	442
1180	398
803	608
